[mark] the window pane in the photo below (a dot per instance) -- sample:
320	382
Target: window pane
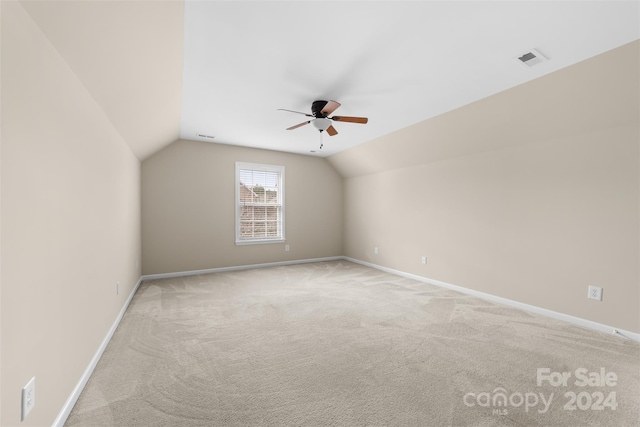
259	229
271	212
259	213
246	229
272	228
245	213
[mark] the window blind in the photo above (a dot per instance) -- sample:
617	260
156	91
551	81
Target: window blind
259	203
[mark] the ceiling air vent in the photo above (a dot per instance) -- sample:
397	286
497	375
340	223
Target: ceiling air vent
531	58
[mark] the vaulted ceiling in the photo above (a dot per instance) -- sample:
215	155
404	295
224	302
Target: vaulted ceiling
164	70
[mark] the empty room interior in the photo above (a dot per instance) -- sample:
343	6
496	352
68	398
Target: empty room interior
307	213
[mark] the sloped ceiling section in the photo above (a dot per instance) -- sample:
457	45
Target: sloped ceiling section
599	93
128	54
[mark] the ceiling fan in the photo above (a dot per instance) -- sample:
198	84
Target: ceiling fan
320	111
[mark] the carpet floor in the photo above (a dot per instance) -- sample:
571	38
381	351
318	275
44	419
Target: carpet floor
340	344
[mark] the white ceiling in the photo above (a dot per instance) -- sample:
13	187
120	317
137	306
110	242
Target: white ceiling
167	69
395	62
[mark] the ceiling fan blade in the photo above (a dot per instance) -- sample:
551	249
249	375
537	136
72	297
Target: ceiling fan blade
330	107
332	131
349	119
297	112
299	125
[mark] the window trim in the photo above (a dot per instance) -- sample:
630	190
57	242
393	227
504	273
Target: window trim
266	168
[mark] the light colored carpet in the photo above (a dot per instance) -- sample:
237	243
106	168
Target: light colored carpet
340	344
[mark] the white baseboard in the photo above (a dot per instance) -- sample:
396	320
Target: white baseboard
73	398
504	301
238	267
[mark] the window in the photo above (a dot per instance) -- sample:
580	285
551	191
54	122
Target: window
259	203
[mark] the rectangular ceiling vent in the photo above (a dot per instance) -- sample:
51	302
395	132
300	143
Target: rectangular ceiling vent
531	58
205	136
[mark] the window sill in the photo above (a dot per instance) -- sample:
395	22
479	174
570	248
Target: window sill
259	242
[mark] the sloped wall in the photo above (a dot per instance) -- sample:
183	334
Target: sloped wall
531	194
70	222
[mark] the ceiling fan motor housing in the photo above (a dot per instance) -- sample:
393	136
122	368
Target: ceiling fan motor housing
316	108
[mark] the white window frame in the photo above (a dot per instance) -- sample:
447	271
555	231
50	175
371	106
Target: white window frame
266	168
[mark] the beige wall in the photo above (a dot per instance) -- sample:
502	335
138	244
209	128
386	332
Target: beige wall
530	195
188	222
70	222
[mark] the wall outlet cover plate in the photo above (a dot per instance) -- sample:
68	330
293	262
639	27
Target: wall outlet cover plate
595	293
28	398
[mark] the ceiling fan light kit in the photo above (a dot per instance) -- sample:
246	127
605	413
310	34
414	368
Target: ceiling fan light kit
322	124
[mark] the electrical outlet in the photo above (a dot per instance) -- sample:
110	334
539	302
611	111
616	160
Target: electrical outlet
424	259
375	250
286	248
28	398
595	293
